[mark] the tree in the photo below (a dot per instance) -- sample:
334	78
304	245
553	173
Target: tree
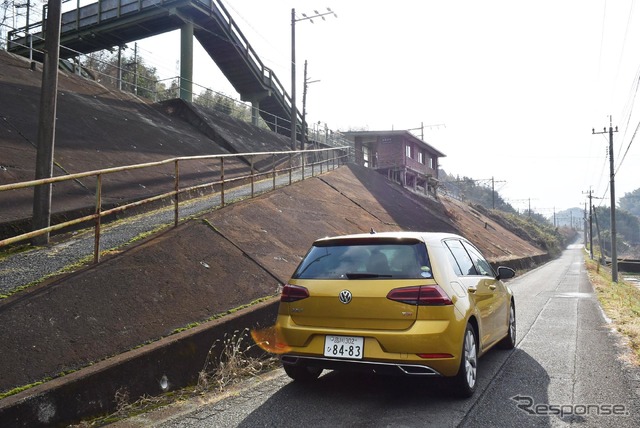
143	80
630	202
173	91
225	105
136	76
467	188
627	225
4	16
206	99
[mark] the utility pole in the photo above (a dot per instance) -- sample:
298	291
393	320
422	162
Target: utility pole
614	251
422	126
27	27
304	106
590	224
47	121
571	215
493	191
135	68
595	216
584	228
294	110
120	67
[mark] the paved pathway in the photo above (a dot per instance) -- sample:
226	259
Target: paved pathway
34	265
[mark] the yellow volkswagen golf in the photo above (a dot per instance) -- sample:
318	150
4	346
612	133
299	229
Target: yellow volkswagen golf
410	303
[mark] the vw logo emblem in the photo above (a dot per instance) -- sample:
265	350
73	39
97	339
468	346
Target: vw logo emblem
345	296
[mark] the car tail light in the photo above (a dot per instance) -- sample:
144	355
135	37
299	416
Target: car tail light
435	355
292	293
420	295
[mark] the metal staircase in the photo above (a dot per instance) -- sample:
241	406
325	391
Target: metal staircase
110	23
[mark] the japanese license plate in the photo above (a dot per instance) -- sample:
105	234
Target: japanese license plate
344	347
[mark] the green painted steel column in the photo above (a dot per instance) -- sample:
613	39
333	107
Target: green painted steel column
186	62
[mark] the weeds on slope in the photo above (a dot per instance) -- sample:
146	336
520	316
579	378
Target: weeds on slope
228	362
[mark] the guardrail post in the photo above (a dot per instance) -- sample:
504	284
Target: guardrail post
222	181
252	176
290	166
313	168
273	157
302	164
175	196
98	212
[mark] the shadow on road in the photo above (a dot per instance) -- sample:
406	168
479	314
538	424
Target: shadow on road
348	399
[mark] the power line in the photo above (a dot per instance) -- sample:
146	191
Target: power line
624	43
628	109
604	17
628	147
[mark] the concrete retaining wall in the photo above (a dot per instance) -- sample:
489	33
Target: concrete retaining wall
90	392
522	263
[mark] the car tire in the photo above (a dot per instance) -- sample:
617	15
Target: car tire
509	341
466	379
302	373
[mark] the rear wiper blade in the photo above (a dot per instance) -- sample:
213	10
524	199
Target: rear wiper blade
361	275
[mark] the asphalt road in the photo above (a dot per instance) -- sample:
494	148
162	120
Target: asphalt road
568	369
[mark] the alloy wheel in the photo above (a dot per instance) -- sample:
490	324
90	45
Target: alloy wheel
470	358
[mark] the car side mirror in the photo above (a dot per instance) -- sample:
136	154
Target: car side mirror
505	272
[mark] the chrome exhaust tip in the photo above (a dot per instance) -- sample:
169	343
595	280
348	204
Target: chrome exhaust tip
414	370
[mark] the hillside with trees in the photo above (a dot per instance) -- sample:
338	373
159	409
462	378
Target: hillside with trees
630	202
531	226
550	233
131	73
627	232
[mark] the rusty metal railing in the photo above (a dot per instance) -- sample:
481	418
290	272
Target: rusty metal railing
329	158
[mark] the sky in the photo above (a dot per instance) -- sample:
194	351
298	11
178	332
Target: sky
509	90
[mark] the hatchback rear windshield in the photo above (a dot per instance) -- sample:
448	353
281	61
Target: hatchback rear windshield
365	260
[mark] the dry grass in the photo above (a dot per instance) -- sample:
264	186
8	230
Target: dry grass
621	303
232	365
227	363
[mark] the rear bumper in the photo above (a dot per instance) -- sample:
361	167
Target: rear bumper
390	351
379	367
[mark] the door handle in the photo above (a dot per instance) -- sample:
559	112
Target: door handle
492	287
472	289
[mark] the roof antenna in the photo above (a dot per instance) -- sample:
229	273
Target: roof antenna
372	231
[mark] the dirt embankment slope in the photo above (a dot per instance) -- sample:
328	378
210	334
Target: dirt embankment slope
98	127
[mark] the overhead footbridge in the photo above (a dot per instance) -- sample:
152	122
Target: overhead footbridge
112	23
